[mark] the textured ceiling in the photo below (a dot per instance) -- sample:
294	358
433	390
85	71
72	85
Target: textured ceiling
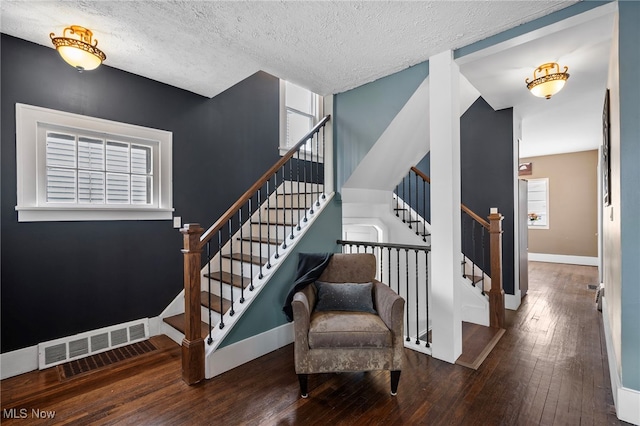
327	46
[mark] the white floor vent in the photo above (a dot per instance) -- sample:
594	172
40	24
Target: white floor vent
81	345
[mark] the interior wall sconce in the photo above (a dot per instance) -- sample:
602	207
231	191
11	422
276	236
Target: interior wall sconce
81	52
547	80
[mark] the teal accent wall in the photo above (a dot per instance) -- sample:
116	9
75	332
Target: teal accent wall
536	24
362	114
265	313
629	57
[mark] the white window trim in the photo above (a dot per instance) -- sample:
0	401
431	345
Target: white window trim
30	164
283	148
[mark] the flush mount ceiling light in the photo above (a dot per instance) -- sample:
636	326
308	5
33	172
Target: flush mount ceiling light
547	80
81	52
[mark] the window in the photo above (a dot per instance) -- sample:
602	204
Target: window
301	109
538	203
73	167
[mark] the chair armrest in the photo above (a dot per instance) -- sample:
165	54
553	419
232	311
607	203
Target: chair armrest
390	307
302	304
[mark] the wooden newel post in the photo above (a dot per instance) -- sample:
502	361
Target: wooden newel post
496	294
193	343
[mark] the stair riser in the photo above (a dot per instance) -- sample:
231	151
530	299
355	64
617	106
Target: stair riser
287	215
204	315
236	267
292	200
226	289
289	186
268	250
274	231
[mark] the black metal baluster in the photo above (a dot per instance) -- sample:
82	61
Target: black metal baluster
304	197
250	242
406	269
276	196
426	276
324	189
424	210
410	204
317	135
220	265
241	256
464	243
389	263
381	255
231	274
473	252
484	263
298	180
404	197
293	224
398	268
417	303
284	210
268	242
210	338
261	275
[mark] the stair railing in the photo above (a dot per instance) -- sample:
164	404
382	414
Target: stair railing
302	167
412	206
405	269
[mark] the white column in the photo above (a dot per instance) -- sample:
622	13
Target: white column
328	159
446	270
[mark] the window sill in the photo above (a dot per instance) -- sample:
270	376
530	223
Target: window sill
304	155
70	214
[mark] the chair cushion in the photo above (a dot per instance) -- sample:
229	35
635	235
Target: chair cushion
339	329
344	297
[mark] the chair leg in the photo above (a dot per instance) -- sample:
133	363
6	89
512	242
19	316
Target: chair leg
395	379
303	379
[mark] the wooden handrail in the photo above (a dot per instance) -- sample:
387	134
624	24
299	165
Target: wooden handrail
422	175
474	216
222	221
464	208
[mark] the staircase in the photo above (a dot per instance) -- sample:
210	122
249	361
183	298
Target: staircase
229	264
235	273
481	243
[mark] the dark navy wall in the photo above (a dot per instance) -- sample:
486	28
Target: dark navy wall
486	163
62	278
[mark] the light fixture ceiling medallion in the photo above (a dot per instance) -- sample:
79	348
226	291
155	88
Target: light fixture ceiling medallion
82	52
547	80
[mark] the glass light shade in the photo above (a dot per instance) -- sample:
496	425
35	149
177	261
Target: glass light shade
80	51
78	58
547	80
548	88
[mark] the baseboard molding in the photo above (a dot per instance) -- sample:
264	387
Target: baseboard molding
232	356
626	400
18	362
512	301
563	258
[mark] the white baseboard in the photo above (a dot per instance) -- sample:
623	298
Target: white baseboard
239	353
18	362
563	258
512	301
627	401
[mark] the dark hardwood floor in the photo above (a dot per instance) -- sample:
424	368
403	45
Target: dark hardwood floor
550	368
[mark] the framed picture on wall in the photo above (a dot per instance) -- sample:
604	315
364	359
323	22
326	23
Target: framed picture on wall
606	152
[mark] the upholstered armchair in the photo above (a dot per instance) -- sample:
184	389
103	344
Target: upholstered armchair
363	333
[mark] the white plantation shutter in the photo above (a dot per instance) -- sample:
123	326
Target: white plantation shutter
61	164
86	170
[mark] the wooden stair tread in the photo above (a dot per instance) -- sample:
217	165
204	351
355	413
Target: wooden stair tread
275	222
477	343
226	277
256	260
215	302
178	322
263	240
474	278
